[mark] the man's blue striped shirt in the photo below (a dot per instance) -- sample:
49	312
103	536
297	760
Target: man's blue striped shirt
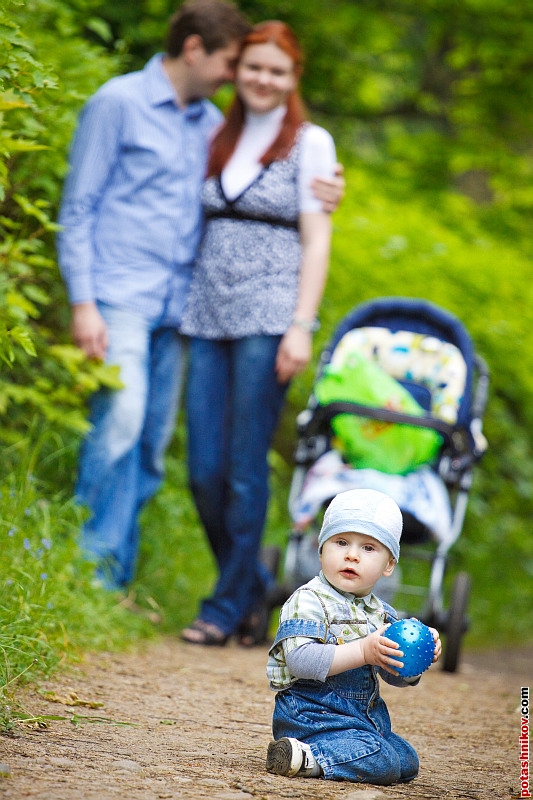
131	212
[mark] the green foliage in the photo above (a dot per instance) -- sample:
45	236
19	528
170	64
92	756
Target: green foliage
36	122
437	91
44	380
50	606
459	70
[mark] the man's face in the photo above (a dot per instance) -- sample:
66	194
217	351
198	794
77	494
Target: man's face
213	70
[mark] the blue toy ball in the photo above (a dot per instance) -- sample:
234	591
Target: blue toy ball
417	644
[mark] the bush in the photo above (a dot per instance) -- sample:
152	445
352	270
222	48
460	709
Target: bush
44	380
41	374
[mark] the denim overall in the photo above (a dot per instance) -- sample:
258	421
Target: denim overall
344	719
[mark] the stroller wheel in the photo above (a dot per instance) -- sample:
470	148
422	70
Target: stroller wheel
456	623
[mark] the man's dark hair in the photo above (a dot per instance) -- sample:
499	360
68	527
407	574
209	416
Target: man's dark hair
217	22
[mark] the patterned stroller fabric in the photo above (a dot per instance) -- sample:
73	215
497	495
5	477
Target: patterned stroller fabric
414	358
421	493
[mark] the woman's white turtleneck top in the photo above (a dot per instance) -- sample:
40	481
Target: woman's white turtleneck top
260	130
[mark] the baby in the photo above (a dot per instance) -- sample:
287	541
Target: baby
329	719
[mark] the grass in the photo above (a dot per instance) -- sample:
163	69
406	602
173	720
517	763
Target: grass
51	609
385	243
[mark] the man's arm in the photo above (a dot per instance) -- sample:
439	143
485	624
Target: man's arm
330	191
93	157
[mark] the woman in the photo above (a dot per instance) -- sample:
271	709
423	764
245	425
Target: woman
257	286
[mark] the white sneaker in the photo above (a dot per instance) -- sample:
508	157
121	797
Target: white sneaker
290	757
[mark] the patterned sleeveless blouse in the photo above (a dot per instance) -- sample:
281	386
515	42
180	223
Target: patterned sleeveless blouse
246	276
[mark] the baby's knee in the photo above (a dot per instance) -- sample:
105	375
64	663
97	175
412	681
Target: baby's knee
381	774
379	764
384	771
409	763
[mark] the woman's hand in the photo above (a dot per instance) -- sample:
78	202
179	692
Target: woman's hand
294	353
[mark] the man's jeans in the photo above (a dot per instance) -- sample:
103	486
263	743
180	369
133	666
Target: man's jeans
121	460
233	404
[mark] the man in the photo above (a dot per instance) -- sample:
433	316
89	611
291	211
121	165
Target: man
131	223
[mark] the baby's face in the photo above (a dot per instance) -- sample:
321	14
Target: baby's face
353	562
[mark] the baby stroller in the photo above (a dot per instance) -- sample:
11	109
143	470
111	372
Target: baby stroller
442	385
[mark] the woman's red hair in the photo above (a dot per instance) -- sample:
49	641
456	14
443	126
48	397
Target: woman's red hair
224	143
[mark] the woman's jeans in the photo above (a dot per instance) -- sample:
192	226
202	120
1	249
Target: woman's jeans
347	725
233	405
121	459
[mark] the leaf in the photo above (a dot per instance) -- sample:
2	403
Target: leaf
9	101
71	698
15	300
21	145
101	28
108	375
77	718
22	337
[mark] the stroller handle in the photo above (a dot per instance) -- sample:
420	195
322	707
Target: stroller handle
323	415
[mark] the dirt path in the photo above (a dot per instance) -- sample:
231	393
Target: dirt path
200	723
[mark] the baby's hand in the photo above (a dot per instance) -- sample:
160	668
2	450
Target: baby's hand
382	652
438	644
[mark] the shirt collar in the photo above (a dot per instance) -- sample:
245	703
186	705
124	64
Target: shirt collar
369	601
161	90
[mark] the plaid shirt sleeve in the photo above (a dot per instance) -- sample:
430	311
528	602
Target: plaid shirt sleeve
303	604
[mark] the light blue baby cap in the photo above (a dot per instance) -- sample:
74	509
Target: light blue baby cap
364	511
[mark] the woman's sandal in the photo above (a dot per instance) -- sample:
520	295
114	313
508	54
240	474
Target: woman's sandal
204	633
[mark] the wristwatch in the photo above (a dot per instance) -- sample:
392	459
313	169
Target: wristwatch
309	325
